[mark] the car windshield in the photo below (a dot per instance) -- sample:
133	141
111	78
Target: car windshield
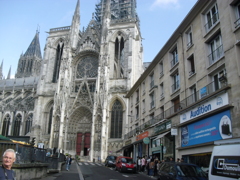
190	171
126	160
112	157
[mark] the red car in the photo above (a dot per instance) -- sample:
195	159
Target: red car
125	164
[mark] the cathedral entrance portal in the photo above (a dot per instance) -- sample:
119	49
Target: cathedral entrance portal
79	128
83	144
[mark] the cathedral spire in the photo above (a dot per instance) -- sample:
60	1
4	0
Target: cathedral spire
34	47
9	73
29	63
75	25
1	71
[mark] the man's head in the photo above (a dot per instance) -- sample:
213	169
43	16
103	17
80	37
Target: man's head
9	157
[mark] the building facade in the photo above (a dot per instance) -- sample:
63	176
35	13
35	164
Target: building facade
73	98
188	97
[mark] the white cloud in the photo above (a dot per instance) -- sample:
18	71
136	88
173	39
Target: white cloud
166	4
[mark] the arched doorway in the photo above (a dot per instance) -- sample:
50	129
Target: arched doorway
79	132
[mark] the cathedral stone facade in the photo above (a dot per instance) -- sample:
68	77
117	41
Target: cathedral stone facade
73	98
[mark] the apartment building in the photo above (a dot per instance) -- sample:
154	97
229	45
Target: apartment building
189	95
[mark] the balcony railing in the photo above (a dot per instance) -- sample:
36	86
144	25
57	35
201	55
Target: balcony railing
174	61
152	105
189	44
193	98
175	86
215	55
237	23
214	20
152	84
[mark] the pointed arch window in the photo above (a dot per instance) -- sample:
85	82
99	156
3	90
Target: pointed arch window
116	120
28	123
119	56
58	58
6	123
17	125
50	120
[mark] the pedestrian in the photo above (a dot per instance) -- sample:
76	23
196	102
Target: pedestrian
68	162
147	165
182	160
178	160
6	172
158	165
143	164
151	167
139	164
48	154
155	167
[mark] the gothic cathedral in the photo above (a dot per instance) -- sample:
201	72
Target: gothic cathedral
73	98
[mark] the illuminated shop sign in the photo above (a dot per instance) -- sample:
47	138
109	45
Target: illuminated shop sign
213	128
209	106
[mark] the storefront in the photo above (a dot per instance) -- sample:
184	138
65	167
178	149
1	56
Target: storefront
128	148
162	143
141	148
197	137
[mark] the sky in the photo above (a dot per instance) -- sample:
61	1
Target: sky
19	20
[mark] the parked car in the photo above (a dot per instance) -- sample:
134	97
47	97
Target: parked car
125	164
110	161
180	171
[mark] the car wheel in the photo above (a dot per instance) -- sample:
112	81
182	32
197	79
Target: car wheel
121	170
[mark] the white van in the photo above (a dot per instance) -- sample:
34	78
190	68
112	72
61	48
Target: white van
225	160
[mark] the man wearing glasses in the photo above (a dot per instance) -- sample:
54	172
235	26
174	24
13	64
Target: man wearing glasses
6	172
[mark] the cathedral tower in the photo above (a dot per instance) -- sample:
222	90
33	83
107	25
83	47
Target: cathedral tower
81	107
29	63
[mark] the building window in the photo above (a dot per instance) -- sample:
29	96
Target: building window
176	104
116	120
161	91
212	18
152	104
137	112
161	69
174	60
137	94
162	112
215	49
6	123
189	38
50	120
191	65
176	82
17	124
219	80
193	97
143	106
143	88
58	58
237	12
28	123
151	81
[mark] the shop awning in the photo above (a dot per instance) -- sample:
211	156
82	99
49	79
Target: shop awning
161	135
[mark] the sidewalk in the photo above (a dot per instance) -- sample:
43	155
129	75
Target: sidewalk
74	173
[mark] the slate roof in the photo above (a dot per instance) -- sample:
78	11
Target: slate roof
34	48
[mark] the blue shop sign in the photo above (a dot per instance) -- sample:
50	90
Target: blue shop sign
213	128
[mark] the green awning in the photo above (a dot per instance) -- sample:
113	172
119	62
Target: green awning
4	138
